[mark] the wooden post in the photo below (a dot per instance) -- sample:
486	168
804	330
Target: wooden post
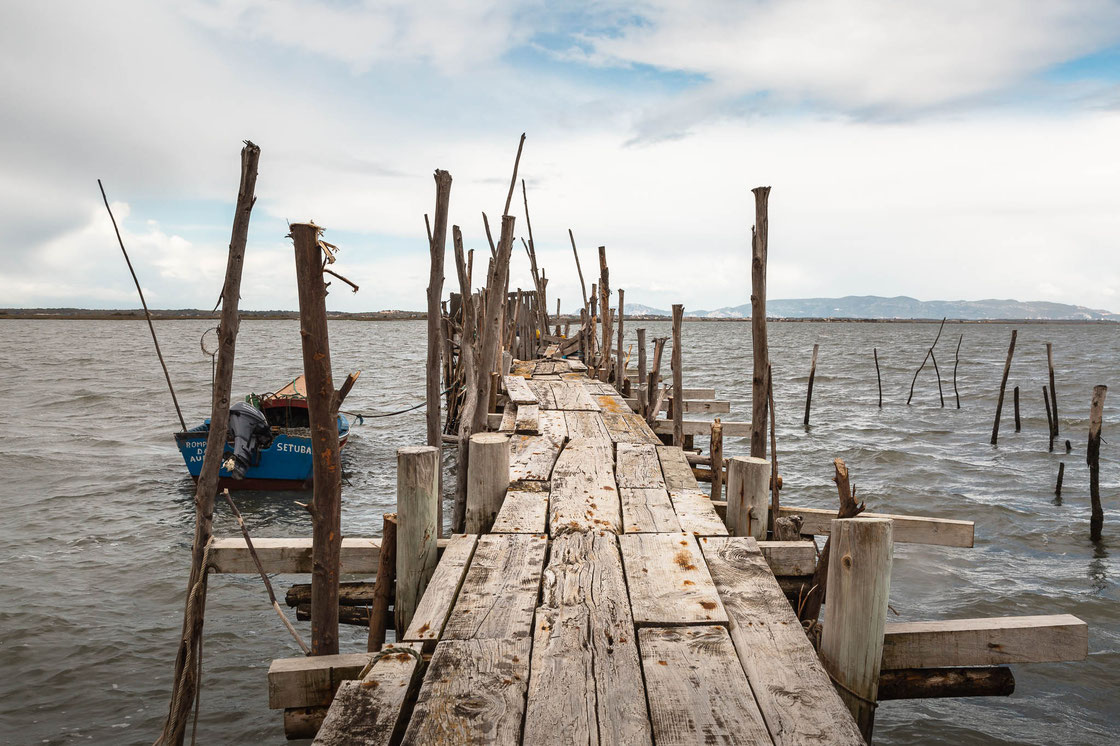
761	348
468	361
1061	476
878	377
487	480
956	362
812	375
438	249
715	451
1054	426
1003	386
643	392
849	508
1049	417
186	658
326	502
605	313
1093	459
417	500
929	352
1015	398
491	322
678	385
748	496
383	586
620	375
859	581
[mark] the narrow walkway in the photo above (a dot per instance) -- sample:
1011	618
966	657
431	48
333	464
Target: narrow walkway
607	606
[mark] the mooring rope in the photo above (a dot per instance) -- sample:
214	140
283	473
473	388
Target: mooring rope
393	650
394	414
860	697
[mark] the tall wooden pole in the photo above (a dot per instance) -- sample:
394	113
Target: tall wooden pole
185	682
1093	459
879	377
761	348
620	378
809	392
1053	390
1003	386
438	249
956	362
643	392
678	386
715	450
490	343
605	313
326	502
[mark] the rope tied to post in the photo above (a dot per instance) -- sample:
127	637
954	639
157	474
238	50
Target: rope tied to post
873	703
391	650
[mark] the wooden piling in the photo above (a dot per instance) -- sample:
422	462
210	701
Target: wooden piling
417	510
383	585
678	384
859	579
957	362
1093	459
715	451
1015	397
620	375
1054	426
1049	417
878	377
1061	476
438	250
186	659
605	314
1003	386
643	392
487	480
326	503
809	392
748	496
759	343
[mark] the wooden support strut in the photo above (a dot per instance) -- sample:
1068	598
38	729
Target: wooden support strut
678	385
326	503
761	347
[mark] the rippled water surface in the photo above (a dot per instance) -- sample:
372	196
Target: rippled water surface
97	514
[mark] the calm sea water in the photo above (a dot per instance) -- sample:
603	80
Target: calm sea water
97	511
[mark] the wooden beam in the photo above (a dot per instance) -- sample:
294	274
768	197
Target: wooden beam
913	529
985	642
702	427
790	557
669	583
370	711
311	681
435	606
927	683
292	555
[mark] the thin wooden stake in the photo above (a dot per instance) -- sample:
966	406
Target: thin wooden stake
1054	426
919	370
620	377
1061	476
1049	417
678	384
774	482
878	377
812	375
383	585
643	391
1093	459
1015	398
956	362
715	450
1003	386
940	393
605	313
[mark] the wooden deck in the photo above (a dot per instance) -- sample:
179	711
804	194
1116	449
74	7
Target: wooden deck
608	605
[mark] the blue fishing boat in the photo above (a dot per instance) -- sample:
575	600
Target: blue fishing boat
269	447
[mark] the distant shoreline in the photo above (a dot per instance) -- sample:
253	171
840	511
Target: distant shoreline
84	314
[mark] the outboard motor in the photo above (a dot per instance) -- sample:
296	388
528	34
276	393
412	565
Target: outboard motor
251	434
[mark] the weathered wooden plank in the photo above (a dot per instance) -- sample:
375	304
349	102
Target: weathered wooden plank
612	403
576	365
311	681
523	368
696	513
637	465
789	557
499	592
518	391
542	390
531	457
509	418
598	388
627	427
697	691
913	529
552	424
793	691
647	510
586	684
289	555
584	496
701	406
524	510
572	397
586	425
702	427
527	419
985	642
431	613
473	692
674	467
368	712
668	580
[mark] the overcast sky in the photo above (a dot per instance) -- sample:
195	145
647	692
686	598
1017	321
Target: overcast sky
943	150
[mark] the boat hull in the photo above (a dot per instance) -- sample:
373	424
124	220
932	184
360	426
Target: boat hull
285	465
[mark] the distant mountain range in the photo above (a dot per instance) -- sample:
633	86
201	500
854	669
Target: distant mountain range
900	307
